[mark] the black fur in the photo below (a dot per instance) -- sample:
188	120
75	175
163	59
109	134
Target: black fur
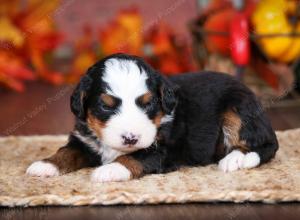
196	130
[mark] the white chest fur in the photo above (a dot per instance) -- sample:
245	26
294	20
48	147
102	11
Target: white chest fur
107	154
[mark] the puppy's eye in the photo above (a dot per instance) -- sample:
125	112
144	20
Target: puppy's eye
145	100
108	102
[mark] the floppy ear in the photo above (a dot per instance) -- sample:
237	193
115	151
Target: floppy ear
168	95
80	95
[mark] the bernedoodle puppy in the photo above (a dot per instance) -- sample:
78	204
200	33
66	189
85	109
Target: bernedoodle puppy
132	121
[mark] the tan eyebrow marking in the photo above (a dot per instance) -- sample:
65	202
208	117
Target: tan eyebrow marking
108	100
146	98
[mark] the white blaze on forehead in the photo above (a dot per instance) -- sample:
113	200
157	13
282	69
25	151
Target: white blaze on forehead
124	78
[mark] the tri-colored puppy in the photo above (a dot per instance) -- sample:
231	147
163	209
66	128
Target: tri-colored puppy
131	121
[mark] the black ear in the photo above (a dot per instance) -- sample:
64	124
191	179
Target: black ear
80	95
168	95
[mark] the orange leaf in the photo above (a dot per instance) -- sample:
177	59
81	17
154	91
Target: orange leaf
11	83
123	34
12	66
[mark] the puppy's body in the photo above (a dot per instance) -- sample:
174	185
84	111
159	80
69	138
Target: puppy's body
215	115
131	122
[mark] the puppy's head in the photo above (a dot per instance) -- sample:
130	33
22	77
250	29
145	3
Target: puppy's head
123	100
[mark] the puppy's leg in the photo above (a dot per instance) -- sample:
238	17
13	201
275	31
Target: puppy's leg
201	141
131	166
65	160
251	142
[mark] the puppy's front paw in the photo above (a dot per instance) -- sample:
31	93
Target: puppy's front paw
42	169
110	173
251	160
232	161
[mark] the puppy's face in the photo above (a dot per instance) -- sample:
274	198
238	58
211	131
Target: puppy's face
125	103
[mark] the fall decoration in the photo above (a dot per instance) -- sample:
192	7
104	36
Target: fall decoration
261	34
123	33
26	38
158	43
271	17
85	55
167	52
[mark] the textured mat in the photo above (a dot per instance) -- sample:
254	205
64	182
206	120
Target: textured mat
278	181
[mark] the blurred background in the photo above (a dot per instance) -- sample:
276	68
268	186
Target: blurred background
46	46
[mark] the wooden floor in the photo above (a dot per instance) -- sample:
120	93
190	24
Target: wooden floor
159	212
43	109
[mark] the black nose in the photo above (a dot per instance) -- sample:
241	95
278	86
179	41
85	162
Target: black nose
129	139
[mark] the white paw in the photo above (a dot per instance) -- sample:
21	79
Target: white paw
237	160
42	169
232	161
251	160
110	173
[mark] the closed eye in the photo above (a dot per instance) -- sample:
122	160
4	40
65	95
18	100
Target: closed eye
109	101
144	99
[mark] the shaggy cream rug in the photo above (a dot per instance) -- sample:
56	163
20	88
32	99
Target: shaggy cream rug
278	181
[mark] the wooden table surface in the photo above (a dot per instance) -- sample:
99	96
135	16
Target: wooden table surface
43	109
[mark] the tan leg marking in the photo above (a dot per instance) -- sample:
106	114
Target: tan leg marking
67	159
231	128
134	166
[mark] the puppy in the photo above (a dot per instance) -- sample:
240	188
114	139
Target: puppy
131	121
